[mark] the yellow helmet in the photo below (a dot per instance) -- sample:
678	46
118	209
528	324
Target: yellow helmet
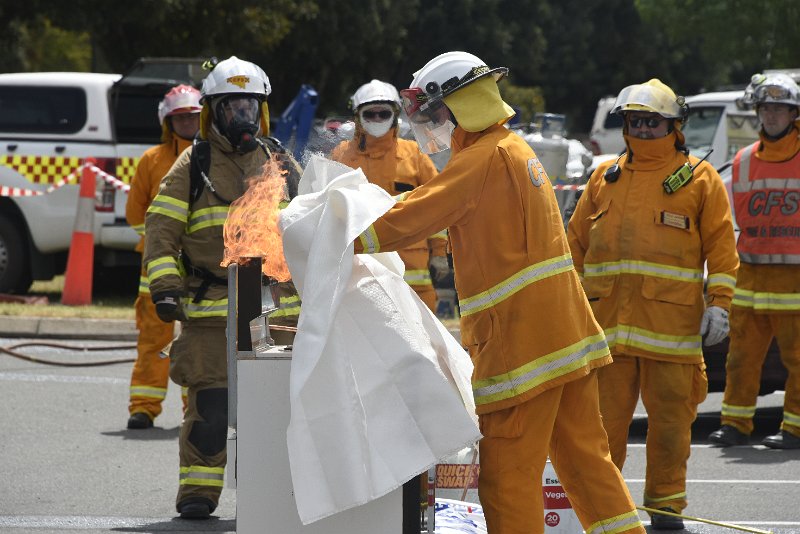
653	96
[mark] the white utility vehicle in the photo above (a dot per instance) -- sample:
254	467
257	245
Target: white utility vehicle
49	124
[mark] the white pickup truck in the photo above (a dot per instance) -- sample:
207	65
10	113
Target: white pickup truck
49	124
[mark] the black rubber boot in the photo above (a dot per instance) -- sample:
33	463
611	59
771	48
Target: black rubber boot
782	440
666	522
197	508
728	436
139	420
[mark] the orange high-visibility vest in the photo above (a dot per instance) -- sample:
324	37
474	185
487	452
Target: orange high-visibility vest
766	197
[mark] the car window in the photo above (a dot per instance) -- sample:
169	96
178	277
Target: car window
136	116
701	126
56	110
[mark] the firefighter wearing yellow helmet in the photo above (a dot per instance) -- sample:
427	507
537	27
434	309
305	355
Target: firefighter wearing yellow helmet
640	235
766	196
179	116
524	318
397	166
183	251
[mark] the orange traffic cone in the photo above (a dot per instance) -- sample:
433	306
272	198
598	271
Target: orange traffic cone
80	262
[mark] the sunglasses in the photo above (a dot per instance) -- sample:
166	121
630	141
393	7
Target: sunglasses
383	114
650	122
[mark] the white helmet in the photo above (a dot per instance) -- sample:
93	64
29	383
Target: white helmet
449	72
180	99
438	79
375	91
234	75
774	88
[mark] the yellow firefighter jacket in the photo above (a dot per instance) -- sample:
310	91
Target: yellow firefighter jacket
772	288
524	316
397	166
184	242
152	167
640	251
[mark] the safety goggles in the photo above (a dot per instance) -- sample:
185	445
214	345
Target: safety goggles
772	92
650	122
376	115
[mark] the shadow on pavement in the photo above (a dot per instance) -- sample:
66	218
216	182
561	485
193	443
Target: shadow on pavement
177	524
150	434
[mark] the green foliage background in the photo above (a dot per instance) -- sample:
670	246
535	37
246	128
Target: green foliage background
563	54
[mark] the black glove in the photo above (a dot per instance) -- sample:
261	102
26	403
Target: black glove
168	306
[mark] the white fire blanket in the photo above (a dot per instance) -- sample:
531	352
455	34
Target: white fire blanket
379	389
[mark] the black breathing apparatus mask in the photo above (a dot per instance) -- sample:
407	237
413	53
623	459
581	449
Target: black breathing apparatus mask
238	118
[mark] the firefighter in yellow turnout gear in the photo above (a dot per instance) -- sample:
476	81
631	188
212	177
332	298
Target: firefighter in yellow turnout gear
183	250
640	252
179	116
766	193
397	166
534	378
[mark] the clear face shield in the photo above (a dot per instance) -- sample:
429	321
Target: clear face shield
238	118
429	120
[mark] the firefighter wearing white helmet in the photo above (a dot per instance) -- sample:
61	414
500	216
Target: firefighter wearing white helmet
525	320
397	166
179	116
766	196
641	233
183	250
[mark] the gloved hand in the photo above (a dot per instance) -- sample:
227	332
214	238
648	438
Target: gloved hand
440	267
714	326
168	306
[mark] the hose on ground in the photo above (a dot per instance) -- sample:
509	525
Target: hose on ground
11	350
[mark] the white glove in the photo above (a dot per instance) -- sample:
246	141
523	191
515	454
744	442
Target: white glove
440	267
714	326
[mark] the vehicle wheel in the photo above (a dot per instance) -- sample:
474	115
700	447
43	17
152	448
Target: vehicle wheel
15	271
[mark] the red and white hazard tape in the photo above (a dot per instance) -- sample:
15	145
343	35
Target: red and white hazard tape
6	191
569	187
113	180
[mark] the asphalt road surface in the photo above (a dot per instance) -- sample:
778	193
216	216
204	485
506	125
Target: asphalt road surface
69	465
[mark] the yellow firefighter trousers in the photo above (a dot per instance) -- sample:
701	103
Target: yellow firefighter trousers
198	361
564	421
150	374
670	393
751	335
426	294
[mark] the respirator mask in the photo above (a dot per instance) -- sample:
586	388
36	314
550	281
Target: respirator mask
376	120
238	118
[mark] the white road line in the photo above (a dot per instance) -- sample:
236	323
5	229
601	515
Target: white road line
77	522
64	379
724	481
694	446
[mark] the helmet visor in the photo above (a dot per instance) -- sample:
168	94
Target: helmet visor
241	109
429	119
772	93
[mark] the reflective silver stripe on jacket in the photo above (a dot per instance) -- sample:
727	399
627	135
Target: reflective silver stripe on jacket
206	308
171	207
646	268
542	369
633	336
513	284
205	217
